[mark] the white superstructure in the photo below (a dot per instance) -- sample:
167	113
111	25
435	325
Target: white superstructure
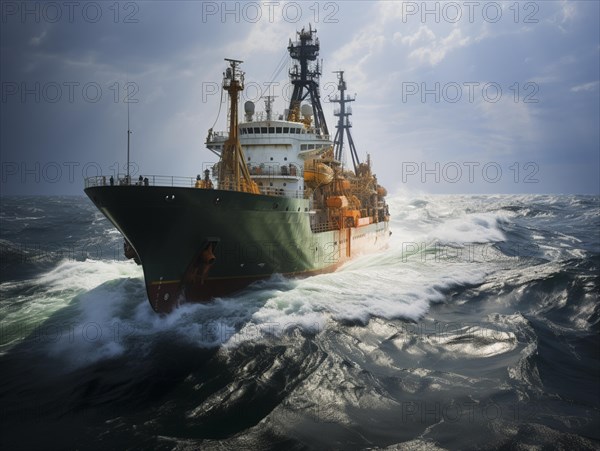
276	150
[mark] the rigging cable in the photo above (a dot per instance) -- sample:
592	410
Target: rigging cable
282	63
219	112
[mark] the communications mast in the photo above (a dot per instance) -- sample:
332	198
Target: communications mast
304	76
343	126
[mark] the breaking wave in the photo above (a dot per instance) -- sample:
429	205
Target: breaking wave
478	301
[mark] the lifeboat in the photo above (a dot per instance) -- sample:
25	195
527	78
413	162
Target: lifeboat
317	173
337	202
342	184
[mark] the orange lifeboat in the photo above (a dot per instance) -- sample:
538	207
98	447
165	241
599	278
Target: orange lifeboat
337	202
317	173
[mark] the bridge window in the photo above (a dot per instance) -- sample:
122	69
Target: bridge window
278	130
250	131
271	130
286	129
263	129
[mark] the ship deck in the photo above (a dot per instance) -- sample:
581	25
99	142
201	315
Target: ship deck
170	181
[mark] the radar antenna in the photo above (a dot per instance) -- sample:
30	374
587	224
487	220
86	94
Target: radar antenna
269	106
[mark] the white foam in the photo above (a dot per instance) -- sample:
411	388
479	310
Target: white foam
69	310
471	228
392	284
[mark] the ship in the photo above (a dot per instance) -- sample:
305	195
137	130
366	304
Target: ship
280	199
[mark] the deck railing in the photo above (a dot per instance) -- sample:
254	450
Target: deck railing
149	180
270	191
180	182
274	170
325	226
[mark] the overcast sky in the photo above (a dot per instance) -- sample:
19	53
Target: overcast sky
452	97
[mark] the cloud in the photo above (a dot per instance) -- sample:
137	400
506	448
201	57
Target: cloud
568	11
423	35
564	16
591	86
37	40
372	42
260	40
264	36
434	50
358	55
509	125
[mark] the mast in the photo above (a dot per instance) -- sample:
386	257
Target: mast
269	106
233	172
128	136
343	126
305	77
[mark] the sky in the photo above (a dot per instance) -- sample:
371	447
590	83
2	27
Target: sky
474	97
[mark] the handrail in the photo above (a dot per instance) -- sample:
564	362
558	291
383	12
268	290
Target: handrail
221	136
148	180
180	182
276	169
325	227
269	191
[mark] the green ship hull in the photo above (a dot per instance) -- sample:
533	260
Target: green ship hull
195	244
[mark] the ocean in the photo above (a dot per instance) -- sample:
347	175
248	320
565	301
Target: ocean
478	328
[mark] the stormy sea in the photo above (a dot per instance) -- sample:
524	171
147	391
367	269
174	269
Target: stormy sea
478	328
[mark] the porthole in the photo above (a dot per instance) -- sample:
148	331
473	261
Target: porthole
217	200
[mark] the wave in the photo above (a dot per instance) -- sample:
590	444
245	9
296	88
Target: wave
481	303
427	263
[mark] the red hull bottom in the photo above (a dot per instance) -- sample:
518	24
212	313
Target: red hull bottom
166	296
